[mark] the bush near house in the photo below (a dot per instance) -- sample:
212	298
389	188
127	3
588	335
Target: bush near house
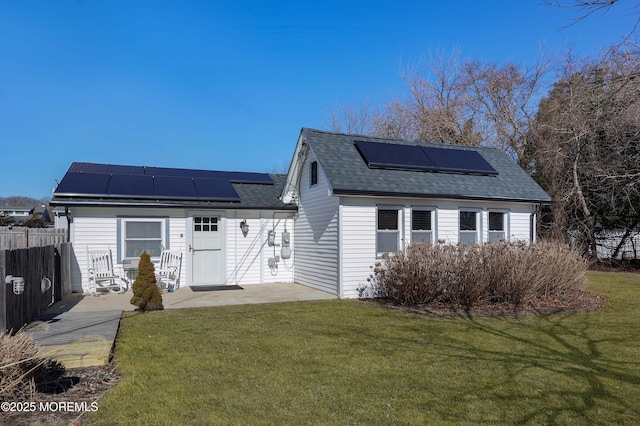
146	295
468	275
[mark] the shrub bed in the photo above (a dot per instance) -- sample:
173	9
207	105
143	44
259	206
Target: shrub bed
468	275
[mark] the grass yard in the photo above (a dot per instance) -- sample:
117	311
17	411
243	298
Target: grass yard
350	362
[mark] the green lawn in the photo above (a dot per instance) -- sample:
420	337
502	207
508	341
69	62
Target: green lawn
350	362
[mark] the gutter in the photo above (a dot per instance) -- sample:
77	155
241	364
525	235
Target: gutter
366	193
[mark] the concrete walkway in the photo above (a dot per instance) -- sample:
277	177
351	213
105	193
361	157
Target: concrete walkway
80	330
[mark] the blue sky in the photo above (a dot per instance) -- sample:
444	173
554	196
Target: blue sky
227	85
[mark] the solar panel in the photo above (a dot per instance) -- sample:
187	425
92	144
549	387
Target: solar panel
75	183
387	155
130	186
126	170
89	168
117	181
459	160
215	189
174	187
423	158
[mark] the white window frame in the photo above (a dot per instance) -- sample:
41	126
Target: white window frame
432	231
491	234
396	231
122	240
477	231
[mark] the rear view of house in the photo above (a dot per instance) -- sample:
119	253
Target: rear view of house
345	201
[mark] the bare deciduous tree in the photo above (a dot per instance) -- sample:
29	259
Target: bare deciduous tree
587	149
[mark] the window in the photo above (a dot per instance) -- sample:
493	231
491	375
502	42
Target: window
138	235
387	237
496	226
421	231
314	173
205	224
468	227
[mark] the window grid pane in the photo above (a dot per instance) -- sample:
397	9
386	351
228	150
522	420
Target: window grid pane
387	241
496	236
468	221
388	220
421	220
496	221
421	237
143	229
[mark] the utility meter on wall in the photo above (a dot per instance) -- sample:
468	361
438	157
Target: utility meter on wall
285	252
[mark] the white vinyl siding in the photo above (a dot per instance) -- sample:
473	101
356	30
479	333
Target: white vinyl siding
358	227
520	224
316	233
248	257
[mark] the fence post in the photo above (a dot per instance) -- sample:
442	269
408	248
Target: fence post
3	293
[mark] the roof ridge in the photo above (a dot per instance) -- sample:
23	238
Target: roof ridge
419	142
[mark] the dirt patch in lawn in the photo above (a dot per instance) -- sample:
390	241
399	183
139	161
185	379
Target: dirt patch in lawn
68	400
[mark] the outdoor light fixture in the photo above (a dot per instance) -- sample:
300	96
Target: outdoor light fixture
18	284
245	227
45	284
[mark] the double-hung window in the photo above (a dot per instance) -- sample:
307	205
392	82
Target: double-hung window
421	228
388	233
138	235
468	230
496	226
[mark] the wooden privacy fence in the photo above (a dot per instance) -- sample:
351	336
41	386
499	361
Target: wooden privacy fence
18	237
33	265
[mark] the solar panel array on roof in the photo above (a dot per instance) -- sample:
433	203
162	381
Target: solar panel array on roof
114	181
236	177
423	158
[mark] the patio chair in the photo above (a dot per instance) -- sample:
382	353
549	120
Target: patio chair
102	273
168	272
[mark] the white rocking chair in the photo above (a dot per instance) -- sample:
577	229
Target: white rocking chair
102	273
168	272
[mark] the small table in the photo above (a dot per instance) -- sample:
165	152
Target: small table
130	268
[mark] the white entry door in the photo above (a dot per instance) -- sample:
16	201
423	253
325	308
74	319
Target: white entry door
207	266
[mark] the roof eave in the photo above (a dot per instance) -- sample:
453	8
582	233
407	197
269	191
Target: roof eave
394	194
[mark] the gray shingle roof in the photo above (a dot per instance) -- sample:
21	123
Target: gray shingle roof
348	173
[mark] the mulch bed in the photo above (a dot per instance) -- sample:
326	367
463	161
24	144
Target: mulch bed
574	302
66	401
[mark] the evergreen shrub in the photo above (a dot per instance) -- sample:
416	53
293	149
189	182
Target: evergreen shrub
146	295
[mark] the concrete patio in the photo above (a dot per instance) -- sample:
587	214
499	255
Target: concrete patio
80	330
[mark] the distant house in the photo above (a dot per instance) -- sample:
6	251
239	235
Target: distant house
345	201
15	214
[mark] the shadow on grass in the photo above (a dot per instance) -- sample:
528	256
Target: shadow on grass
566	366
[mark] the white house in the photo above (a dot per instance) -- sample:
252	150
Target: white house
359	197
345	201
